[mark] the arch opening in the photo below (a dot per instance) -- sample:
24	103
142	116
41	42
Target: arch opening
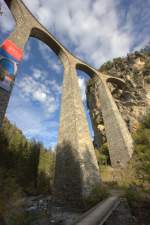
86	69
35	101
45	38
88	73
83	79
95	118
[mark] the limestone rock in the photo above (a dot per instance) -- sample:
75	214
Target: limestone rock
133	100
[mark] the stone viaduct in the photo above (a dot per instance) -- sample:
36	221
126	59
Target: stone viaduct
77	171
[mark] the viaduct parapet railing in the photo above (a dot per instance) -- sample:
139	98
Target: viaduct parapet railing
76	170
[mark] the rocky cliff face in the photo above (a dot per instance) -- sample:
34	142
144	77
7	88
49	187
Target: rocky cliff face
133	100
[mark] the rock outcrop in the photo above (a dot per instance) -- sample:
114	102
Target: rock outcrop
133	100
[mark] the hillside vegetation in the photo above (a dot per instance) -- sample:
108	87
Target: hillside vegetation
26	168
132	99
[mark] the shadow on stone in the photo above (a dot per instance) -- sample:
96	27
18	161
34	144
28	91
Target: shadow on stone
75	175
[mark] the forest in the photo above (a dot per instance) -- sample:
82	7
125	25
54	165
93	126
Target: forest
26	167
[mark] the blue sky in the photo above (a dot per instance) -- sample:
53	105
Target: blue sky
94	30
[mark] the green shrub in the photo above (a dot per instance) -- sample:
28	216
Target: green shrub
102	155
132	194
20	217
98	194
101	158
10	191
106	66
141	154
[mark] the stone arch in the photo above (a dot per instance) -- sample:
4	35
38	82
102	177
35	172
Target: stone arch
95	75
119	82
91	72
119	139
113	122
22	16
42	35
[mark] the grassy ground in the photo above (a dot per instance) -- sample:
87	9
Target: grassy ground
126	184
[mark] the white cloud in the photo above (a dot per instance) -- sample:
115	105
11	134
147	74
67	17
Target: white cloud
44	15
98	30
138	17
55	66
91	26
49	56
54	86
7	23
46	93
37	74
30	121
40	96
27	51
82	85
